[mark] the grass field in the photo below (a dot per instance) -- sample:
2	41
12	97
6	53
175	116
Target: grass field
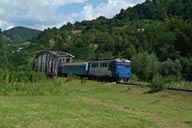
60	103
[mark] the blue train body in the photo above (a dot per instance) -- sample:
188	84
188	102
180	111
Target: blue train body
114	69
80	68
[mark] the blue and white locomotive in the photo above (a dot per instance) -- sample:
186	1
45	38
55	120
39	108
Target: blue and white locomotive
111	69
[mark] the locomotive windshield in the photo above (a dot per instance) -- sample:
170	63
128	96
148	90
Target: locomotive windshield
123	64
119	65
127	64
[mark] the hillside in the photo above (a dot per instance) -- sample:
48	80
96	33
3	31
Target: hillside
140	28
20	34
158	10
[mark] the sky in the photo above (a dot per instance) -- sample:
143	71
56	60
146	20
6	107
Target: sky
42	14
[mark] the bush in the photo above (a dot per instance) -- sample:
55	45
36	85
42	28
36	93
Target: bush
157	84
71	77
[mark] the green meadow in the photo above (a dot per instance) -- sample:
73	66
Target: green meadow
73	103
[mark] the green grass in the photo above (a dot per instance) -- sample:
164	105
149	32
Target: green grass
60	103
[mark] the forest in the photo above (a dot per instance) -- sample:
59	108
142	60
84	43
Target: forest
155	35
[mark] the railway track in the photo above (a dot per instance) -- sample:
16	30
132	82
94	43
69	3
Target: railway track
180	89
169	88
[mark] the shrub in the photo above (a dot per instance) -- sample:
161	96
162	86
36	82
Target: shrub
71	77
157	84
83	80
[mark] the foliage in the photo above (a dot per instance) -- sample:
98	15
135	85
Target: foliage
20	34
71	77
170	67
157	84
21	76
145	66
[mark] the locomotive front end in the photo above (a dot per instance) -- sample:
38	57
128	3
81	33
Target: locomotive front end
122	70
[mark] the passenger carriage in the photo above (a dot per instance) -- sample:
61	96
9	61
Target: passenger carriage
76	68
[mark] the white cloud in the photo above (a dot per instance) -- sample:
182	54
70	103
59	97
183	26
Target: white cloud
108	10
41	14
32	13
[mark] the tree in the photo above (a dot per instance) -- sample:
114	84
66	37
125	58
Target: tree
3	55
170	67
145	66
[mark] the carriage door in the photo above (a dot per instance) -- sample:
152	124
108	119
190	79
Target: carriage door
112	68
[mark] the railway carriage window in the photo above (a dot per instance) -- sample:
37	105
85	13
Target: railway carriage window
94	65
103	64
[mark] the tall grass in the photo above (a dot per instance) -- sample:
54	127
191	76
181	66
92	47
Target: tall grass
20	76
24	83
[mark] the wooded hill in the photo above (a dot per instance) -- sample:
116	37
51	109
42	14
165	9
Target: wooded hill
20	34
156	35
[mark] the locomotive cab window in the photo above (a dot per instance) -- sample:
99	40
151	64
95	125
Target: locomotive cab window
127	64
119	65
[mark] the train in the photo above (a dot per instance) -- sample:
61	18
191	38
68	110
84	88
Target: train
118	70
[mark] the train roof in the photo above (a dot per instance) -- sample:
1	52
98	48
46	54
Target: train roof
115	59
75	63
